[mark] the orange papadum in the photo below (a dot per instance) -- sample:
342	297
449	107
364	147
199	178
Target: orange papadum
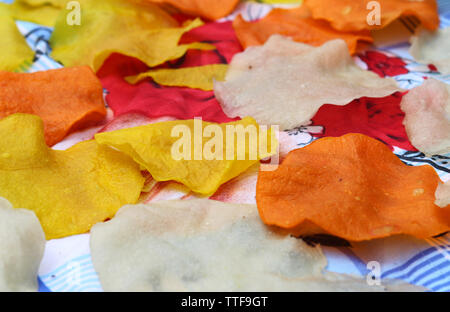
351	15
210	9
297	24
352	187
66	99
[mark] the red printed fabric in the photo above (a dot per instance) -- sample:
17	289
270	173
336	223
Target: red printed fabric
153	100
383	64
221	35
379	118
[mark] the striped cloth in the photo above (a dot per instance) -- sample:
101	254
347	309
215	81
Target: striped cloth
67	264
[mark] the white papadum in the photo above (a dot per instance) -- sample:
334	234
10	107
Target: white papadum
432	48
427	117
443	194
285	82
22	247
205	245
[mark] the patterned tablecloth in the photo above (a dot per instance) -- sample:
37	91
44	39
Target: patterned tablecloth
67	265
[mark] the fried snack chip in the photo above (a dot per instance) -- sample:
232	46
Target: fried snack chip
205	245
281	1
198	77
200	155
297	24
209	9
443	194
285	82
37	3
43	12
432	48
427	117
152	100
352	187
140	30
15	50
23	244
68	190
242	189
350	15
221	35
66	99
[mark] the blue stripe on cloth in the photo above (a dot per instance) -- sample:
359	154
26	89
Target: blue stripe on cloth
55	277
64	266
42	287
429	272
444	5
75	275
442	287
438	279
92	283
77	272
416	269
411	261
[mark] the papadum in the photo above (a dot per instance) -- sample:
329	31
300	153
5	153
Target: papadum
284	82
432	48
205	245
69	190
427	117
23	244
352	187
